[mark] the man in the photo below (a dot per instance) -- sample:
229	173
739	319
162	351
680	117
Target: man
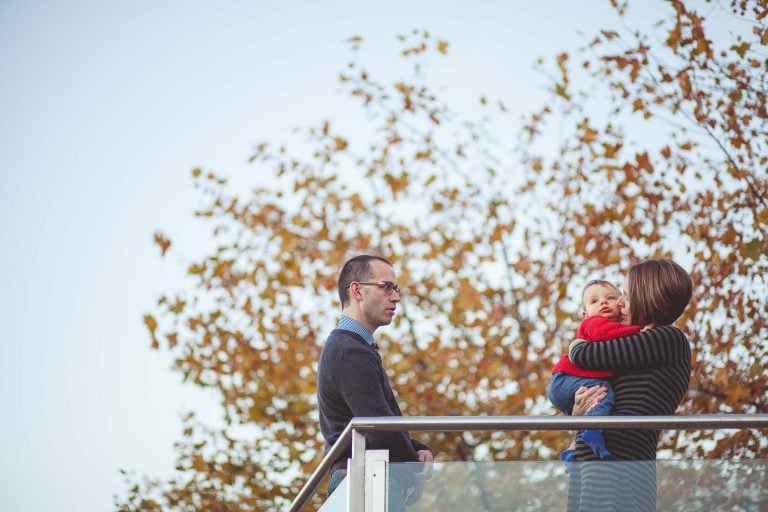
351	380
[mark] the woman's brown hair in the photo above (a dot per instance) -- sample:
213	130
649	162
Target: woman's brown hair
659	291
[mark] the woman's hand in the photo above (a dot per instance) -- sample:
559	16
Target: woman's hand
586	399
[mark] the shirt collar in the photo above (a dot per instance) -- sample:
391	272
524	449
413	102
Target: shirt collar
350	324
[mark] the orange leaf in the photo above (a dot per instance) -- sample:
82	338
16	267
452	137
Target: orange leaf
468	298
685	83
643	162
163	242
340	144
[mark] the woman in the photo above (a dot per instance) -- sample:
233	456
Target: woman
651	374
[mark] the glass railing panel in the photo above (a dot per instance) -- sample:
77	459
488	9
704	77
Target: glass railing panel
488	486
680	485
337	501
739	485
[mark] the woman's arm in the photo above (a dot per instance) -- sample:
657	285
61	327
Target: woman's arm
652	348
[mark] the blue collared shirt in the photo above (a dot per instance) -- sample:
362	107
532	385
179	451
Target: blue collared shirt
350	324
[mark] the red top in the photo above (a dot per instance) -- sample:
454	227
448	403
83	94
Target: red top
592	329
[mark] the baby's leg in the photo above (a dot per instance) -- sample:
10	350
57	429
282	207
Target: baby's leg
594	437
562	389
605	406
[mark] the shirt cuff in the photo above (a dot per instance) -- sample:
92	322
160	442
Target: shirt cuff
575	343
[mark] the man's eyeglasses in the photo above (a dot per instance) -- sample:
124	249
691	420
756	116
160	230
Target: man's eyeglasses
388	286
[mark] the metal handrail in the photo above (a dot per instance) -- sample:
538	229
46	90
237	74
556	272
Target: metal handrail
485	423
306	492
496	423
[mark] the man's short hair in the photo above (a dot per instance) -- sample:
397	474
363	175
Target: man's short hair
355	269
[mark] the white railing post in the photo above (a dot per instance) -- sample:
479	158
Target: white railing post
356	474
376	480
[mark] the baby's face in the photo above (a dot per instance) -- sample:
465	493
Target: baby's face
601	300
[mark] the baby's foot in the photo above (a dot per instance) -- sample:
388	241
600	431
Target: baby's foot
567	457
594	438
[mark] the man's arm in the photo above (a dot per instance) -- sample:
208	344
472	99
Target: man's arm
361	386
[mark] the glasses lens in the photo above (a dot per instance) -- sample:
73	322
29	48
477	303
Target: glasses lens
391	287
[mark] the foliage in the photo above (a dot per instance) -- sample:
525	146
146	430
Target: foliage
698	194
492	254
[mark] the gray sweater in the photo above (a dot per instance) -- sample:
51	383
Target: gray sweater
351	382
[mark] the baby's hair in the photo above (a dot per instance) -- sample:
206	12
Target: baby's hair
601	282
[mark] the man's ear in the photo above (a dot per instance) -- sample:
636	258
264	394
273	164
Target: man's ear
354	291
583	314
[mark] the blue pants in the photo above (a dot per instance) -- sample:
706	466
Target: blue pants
336	478
562	389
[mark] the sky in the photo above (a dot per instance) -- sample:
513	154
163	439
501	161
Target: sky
105	107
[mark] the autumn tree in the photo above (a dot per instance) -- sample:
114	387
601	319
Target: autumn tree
491	250
697	192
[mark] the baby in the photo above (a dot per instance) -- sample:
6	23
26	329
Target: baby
601	322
